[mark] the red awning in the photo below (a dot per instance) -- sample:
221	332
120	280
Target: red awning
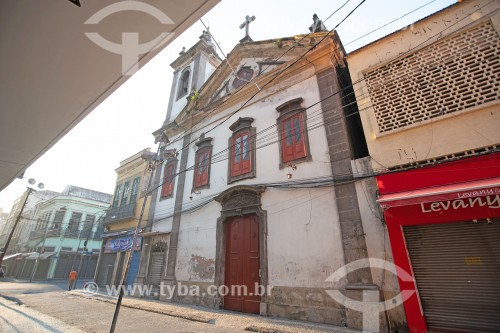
478	188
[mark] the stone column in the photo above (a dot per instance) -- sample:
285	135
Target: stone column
171	260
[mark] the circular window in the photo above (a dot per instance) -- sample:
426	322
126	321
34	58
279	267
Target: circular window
244	75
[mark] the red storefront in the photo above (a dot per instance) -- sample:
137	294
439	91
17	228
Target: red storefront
444	228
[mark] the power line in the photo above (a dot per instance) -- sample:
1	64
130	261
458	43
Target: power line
279	73
263	71
273	78
383	26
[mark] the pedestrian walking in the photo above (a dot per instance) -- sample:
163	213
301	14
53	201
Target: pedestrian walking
72	278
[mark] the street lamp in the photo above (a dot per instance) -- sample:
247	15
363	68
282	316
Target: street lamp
31	181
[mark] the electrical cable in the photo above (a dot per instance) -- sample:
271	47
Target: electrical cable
263	71
278	74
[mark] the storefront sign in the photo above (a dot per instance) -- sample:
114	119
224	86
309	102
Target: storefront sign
489	201
121	244
478	193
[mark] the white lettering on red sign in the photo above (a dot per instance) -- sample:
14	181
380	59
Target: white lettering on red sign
489	201
477	193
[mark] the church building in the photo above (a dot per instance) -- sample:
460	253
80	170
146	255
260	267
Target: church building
264	183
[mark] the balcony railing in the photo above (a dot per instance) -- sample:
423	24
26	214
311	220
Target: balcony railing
71	233
120	213
35	234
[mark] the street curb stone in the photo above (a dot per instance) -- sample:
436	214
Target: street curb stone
130	304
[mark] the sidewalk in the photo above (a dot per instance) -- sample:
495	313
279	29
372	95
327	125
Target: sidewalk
222	318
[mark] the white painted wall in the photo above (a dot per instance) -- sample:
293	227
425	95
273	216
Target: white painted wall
179	103
304	242
197	239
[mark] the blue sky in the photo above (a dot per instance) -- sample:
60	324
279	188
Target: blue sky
122	125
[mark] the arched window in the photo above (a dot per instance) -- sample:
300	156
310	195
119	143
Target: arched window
167	189
183	87
202	168
242	150
294	142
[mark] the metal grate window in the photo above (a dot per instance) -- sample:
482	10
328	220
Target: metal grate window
449	76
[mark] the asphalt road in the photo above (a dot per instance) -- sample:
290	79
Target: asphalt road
47	308
19	318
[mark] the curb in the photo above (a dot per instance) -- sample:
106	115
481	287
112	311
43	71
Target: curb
258	329
127	304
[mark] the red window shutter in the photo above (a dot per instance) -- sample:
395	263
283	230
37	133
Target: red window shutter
241	156
292	138
287	140
198	170
299	147
202	168
237	149
246	153
206	167
235	153
168	179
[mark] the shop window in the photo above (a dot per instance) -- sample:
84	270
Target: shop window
242	150
292	129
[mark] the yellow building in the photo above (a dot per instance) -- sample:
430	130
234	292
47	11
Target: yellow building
121	220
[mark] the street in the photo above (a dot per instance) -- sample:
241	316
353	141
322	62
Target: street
19	318
49	307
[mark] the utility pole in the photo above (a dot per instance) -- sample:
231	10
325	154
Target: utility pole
84	250
2	254
126	264
31	181
32	277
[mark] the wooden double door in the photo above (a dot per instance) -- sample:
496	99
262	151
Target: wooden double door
242	264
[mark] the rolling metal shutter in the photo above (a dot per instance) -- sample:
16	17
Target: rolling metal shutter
457	272
106	267
155	272
156	265
28	269
42	270
62	267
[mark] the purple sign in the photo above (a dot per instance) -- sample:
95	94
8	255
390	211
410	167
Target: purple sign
121	244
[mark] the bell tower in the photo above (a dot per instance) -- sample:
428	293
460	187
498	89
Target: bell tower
191	69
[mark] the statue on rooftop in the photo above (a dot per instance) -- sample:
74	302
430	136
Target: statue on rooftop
317	25
206	36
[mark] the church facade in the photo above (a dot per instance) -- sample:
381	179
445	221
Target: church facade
264	190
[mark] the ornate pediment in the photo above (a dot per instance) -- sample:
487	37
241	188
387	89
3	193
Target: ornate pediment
239	197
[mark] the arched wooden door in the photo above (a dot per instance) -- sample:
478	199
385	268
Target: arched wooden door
242	264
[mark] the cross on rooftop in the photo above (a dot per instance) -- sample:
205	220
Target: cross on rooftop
248	19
